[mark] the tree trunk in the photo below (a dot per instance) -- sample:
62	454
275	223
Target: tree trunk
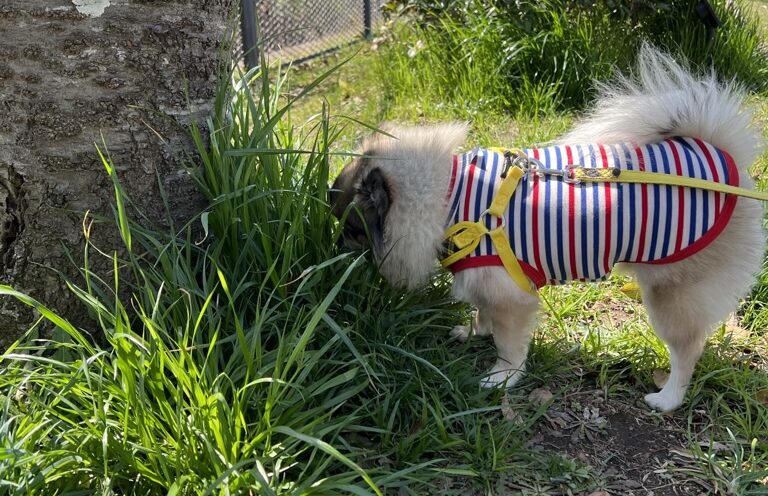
72	71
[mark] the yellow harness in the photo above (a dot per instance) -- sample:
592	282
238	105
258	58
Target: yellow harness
465	236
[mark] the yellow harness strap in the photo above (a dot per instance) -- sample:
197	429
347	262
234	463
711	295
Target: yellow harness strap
467	235
613	175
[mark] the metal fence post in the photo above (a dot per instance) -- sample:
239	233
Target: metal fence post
249	31
367	19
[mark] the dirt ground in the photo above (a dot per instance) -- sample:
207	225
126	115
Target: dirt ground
631	450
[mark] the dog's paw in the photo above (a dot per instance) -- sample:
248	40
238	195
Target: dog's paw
663	401
501	375
460	332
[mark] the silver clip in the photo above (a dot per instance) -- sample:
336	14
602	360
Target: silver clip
487	212
568	175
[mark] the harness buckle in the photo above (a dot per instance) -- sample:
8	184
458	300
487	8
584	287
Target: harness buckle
487	211
569	176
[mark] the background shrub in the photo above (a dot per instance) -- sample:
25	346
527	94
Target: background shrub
537	56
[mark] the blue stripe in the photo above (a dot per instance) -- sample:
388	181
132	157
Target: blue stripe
723	168
490	223
478	189
597	234
583	218
656	205
523	255
547	185
666	249
459	185
694	192
632	221
619	208
559	210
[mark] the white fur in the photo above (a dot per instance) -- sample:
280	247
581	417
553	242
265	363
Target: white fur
417	164
685	300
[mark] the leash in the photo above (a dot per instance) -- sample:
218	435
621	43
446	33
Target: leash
466	236
578	174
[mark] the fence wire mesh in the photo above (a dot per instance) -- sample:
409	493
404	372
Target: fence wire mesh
296	30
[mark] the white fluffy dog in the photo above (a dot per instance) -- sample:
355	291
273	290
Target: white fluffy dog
399	186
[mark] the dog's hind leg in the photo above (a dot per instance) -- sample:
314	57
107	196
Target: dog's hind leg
687	299
679	322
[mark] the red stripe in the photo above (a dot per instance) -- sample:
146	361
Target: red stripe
468	194
535	215
569	187
536	276
608	213
680	197
644	221
452	182
713	168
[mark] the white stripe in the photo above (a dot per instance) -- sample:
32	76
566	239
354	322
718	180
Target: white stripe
529	220
551	157
586	213
600	238
570	271
614	194
711	194
541	212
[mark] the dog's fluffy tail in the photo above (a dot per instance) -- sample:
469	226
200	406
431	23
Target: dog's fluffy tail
664	99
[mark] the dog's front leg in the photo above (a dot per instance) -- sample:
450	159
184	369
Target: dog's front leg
512	327
481	326
503	309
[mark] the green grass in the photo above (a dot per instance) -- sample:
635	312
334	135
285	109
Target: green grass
243	354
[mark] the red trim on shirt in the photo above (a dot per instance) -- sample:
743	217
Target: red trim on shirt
537	277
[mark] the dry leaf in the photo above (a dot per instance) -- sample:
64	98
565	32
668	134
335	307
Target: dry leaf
660	377
762	396
539	396
599	493
508	413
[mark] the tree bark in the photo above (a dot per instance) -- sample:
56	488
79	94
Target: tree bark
72	71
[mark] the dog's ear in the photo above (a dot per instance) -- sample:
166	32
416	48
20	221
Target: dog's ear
374	199
343	191
334	197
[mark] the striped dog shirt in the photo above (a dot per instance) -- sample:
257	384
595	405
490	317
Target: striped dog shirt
561	231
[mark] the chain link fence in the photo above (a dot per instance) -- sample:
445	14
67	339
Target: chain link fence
297	30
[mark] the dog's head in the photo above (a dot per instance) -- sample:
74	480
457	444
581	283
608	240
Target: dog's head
363	193
392	198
